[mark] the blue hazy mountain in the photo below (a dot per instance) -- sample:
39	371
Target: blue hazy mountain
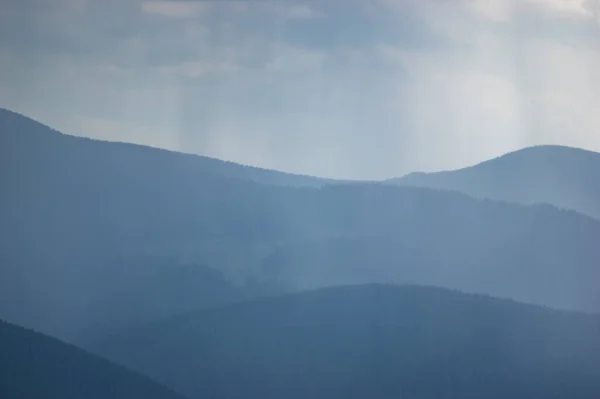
374	341
95	236
562	176
35	366
21	136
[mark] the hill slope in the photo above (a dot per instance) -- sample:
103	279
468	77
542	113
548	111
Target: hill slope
34	366
562	176
370	341
409	235
85	227
20	135
80	301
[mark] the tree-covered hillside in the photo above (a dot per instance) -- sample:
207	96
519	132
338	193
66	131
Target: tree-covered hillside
563	176
372	341
78	215
34	366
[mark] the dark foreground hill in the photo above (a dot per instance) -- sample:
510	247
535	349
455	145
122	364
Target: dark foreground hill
370	342
562	176
34	366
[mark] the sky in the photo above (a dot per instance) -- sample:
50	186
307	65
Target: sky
360	89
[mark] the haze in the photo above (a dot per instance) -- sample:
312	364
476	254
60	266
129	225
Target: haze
437	237
342	89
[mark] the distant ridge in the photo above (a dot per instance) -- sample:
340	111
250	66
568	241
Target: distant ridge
566	177
32	131
96	236
525	151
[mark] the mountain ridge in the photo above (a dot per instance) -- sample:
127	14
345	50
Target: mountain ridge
35	366
559	175
518	152
76	219
202	160
268	300
377	340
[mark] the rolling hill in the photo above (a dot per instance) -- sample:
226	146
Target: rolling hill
21	136
96	236
78	302
562	176
35	366
533	254
369	341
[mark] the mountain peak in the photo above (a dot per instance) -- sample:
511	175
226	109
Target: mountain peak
559	175
542	153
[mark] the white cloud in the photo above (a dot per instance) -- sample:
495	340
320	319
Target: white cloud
303	11
175	9
496	10
570	7
199	68
507	10
294	59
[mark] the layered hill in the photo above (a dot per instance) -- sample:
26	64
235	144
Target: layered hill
35	366
370	341
95	236
24	137
562	176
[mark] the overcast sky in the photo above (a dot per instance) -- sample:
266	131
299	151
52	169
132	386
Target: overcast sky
335	88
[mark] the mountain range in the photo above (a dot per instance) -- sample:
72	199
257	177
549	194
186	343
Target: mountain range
370	341
186	275
562	176
97	236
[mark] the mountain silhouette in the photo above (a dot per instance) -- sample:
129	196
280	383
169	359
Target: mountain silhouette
375	341
535	254
563	176
23	136
98	236
35	366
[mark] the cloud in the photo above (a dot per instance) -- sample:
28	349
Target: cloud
505	10
303	11
360	89
175	9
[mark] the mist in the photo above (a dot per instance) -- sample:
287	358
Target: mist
289	199
352	90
